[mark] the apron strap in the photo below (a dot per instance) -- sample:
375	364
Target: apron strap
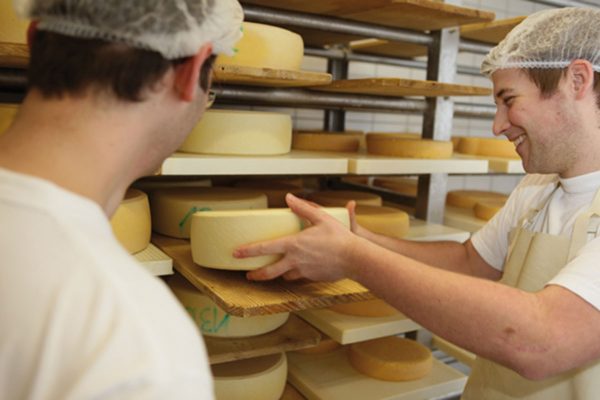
586	226
527	219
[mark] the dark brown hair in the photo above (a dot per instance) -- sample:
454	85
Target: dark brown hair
546	79
62	65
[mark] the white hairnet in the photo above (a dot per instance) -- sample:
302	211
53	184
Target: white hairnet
173	28
549	39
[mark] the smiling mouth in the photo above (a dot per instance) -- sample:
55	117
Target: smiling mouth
519	140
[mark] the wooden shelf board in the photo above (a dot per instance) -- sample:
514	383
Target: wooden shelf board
346	329
330	376
294	163
295	334
241	75
232	292
155	261
380	165
462	218
399	87
388	48
421	15
490	32
13	55
424	231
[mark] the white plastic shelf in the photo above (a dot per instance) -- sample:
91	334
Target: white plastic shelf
377	165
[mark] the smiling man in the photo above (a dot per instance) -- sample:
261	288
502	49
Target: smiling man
524	292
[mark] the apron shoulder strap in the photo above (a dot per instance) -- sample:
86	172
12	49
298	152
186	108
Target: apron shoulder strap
586	227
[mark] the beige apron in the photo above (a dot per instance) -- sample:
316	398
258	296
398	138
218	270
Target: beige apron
533	259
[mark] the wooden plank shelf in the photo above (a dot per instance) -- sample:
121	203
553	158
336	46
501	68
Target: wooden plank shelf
490	32
399	87
232	292
295	334
420	15
241	75
388	48
363	164
13	55
155	261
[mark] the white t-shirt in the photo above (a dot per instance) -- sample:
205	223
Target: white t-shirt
79	317
573	196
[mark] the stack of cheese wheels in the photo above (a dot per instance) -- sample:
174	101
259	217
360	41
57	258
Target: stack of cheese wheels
266	46
12	28
131	222
256	378
385	221
274	190
216	234
172	209
391	359
213	321
342	142
404	186
7	115
326	345
486	209
401	145
370	308
236	132
468	198
339	198
487	147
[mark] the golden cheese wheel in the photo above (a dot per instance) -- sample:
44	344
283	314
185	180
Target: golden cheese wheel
236	132
385	221
172	209
339	198
274	190
213	321
260	378
13	29
131	221
368	308
468	198
266	46
7	115
487	147
326	345
468	145
326	141
391	359
405	186
398	145
486	209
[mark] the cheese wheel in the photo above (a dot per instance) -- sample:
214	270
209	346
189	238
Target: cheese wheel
131	222
468	198
266	46
275	191
172	209
216	234
7	115
468	145
214	321
404	186
260	378
230	132
397	145
12	28
339	198
326	141
369	308
326	345
487	147
486	209
385	221
391	359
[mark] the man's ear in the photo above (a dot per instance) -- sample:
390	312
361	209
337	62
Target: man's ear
581	75
187	74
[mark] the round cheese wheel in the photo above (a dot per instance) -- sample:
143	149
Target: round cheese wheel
326	345
339	198
266	46
368	308
213	321
326	141
385	221
230	132
7	115
172	209
391	359
261	378
131	222
216	234
468	198
404	186
468	145
397	145
275	191
487	147
12	28
486	209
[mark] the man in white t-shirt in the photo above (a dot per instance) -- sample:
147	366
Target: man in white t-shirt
524	293
114	88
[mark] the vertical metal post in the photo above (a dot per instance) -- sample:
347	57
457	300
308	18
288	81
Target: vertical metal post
437	121
335	119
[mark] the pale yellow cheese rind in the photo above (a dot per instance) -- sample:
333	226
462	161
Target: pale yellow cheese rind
487	147
131	221
468	198
261	378
330	141
214	321
172	209
12	28
339	198
398	145
234	132
391	359
385	221
486	209
370	308
266	46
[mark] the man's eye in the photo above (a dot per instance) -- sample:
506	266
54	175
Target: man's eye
508	100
